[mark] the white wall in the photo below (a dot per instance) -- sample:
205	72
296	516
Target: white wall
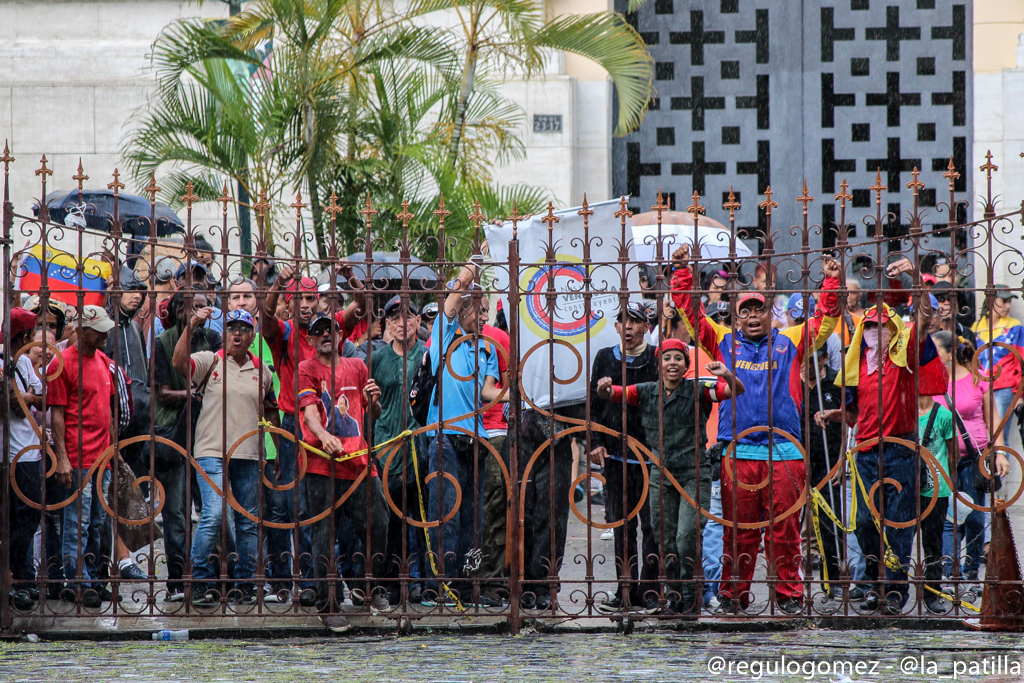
74	72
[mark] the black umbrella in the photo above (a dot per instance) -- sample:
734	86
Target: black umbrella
98	212
387	271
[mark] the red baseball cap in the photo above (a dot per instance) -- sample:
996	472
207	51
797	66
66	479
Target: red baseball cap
928	279
872	314
750	296
21	321
303	284
671	344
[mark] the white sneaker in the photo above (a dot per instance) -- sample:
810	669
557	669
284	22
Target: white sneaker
608	534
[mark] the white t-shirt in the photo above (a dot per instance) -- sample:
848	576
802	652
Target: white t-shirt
22	434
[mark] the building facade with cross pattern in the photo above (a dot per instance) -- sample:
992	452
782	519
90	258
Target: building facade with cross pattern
752	93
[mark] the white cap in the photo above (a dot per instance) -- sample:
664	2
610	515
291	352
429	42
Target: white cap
96	318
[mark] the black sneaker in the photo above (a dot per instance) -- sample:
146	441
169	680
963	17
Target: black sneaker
307	598
611	605
791	606
870	603
936	605
415	593
724	605
857	593
203	597
91	598
336	623
133	573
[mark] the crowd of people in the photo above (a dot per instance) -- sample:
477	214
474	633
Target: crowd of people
253	407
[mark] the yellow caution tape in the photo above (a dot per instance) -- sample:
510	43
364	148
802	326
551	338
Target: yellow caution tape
891	560
416	470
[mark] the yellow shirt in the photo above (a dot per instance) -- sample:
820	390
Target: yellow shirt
980	327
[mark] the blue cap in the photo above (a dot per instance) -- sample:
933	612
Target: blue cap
935	303
192	264
240	315
796	306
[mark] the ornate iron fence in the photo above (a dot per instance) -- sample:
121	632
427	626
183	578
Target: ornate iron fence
289	541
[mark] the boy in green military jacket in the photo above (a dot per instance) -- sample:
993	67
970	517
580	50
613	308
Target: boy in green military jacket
682	406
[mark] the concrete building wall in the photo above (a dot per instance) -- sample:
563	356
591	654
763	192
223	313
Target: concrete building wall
74	72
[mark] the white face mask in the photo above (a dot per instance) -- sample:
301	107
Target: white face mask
871	339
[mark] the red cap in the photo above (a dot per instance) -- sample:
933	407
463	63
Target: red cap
21	321
670	344
750	296
872	314
303	284
929	279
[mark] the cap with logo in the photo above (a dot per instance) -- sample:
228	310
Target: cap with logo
796	306
717	309
96	318
748	297
239	315
634	309
395	303
319	319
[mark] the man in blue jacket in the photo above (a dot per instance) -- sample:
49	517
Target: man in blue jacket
767	361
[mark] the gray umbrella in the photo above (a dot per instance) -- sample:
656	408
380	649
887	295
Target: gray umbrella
387	271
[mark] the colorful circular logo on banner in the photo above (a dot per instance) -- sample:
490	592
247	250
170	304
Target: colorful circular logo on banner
570	324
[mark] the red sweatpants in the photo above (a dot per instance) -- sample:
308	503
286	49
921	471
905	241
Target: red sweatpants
782	539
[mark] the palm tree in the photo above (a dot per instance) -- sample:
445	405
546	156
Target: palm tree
511	36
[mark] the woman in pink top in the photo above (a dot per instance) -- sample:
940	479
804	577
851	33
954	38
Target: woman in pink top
974	403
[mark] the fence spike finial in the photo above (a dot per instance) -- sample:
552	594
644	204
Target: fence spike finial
440	211
915	184
43	170
333	208
515	218
189	197
80	176
262	206
768	204
695	208
298	205
550	218
224	198
732	206
661	206
843	195
7	159
805	198
477	217
117	185
951	173
152	189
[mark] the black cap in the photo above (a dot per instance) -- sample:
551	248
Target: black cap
634	309
317	318
395	303
716	308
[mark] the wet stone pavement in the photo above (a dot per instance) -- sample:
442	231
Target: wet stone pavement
802	655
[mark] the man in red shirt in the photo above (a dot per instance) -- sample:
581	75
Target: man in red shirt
334	393
290	347
80	414
888	364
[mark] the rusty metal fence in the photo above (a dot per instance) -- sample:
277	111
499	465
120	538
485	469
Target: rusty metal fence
284	512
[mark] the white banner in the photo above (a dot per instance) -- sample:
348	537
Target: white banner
568	324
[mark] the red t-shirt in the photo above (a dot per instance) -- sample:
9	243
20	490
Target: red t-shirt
316	386
899	399
289	351
96	390
495	417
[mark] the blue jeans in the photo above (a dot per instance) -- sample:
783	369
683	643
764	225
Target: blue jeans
280	507
243	478
973	528
1003	398
712	544
457	534
901	464
90	527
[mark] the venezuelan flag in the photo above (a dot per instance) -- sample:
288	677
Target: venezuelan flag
62	276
